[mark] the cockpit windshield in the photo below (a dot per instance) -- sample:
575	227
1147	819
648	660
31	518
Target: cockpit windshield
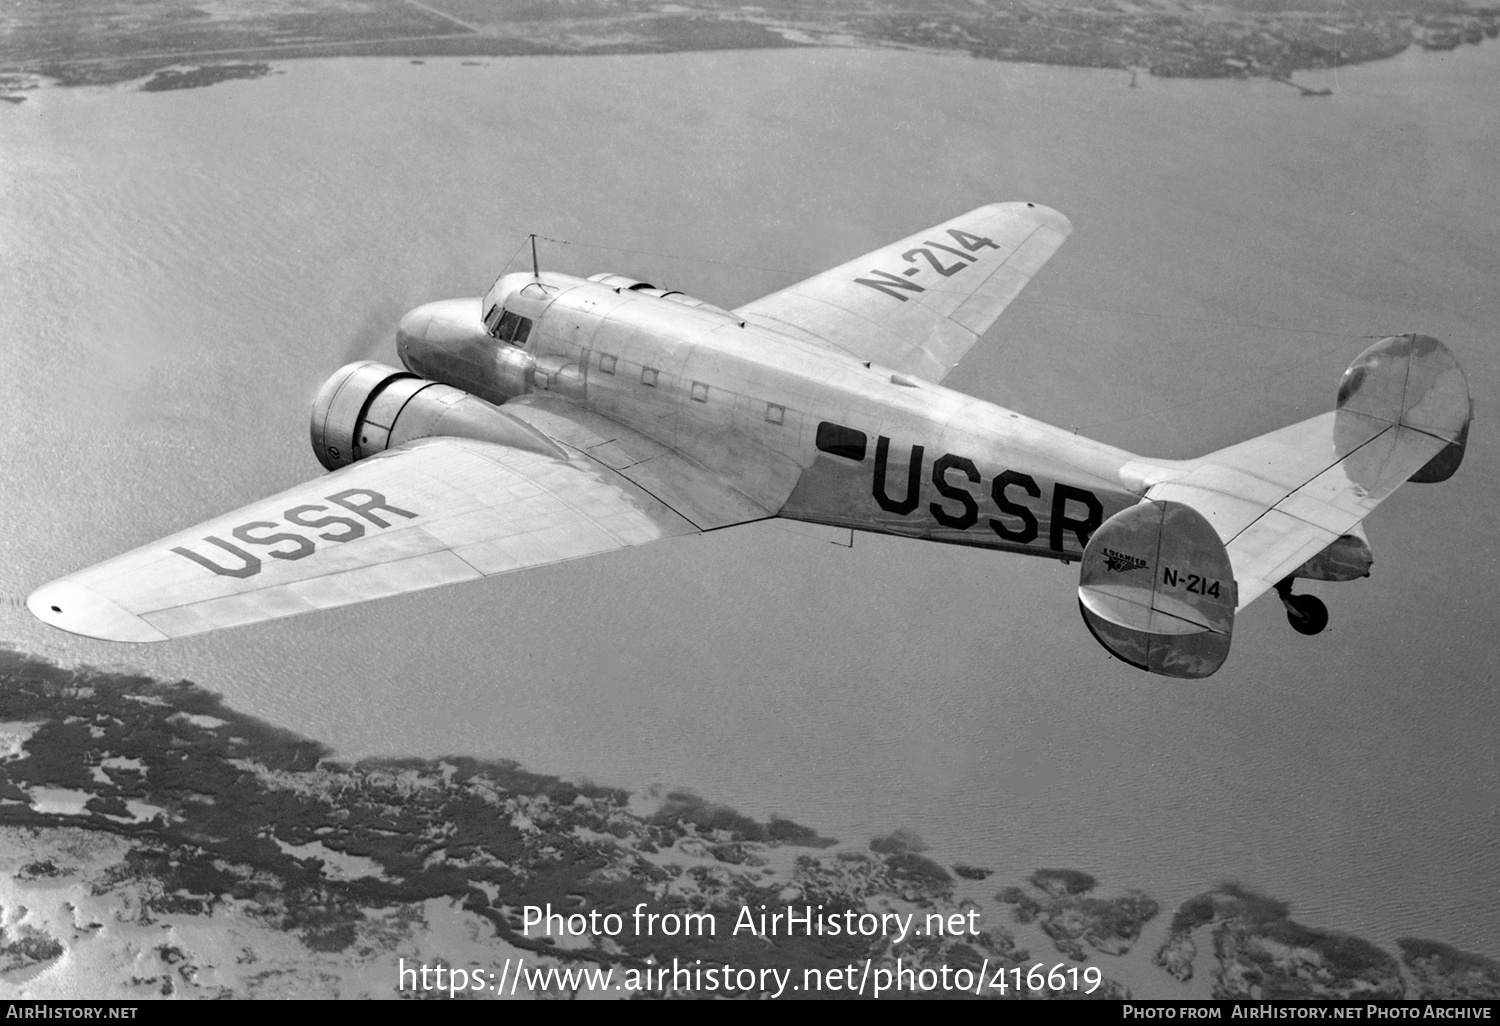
507	326
514	304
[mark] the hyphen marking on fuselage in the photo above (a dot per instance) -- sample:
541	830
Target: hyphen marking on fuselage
250	564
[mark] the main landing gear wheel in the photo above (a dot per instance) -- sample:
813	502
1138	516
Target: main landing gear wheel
1306	613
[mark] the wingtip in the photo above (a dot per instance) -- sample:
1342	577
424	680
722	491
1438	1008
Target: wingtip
1040	213
72	607
1054	219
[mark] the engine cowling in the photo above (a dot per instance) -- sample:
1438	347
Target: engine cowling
1347	559
367	407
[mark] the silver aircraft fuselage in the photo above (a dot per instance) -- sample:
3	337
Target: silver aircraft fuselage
800	430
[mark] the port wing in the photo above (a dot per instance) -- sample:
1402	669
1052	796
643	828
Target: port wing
1280	499
428	513
918	305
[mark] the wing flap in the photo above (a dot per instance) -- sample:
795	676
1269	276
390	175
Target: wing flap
919	305
429	513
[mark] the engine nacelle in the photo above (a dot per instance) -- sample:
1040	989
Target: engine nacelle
1348	559
368	407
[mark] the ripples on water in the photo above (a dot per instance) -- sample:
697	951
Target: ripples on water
180	271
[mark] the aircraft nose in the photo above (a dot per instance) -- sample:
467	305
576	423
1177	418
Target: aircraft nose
411	336
433	328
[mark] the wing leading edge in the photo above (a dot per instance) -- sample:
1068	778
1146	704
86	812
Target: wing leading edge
919	305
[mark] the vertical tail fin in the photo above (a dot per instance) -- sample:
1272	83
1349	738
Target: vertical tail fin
1156	589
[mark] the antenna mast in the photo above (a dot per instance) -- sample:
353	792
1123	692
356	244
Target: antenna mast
535	273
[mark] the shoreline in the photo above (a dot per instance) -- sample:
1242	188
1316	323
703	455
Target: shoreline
1219	42
157	810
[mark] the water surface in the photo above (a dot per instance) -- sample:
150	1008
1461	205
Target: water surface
179	271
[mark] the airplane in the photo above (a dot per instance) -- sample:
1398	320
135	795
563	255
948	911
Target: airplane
558	417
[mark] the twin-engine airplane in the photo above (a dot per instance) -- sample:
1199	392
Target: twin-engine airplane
559	417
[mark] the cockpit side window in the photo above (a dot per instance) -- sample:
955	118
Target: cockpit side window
507	326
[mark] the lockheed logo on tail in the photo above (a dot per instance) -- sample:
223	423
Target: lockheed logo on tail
1119	562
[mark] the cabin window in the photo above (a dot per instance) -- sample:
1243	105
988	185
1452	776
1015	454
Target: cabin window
648	376
508	326
606	364
775	414
837	440
700	392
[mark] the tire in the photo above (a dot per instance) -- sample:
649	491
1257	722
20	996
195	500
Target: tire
1312	614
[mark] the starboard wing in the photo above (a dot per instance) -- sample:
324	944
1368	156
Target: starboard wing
428	513
918	305
1278	500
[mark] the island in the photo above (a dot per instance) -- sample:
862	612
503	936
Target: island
1261	952
1071	916
155	842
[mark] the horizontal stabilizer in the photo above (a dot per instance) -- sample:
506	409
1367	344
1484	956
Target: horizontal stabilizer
1279	500
1157	590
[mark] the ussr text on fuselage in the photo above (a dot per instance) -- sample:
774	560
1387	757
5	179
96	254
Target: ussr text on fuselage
1073	510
